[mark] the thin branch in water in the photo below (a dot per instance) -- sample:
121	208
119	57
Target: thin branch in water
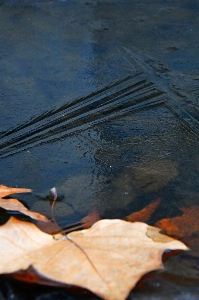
53	194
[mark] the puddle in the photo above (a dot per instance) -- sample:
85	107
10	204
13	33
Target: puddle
100	99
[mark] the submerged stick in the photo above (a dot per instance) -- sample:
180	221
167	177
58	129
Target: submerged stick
53	193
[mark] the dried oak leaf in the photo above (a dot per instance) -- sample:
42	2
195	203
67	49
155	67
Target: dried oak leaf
144	214
181	226
108	259
184	227
15	205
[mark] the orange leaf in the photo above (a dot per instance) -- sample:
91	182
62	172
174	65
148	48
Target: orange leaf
144	214
90	219
15	205
95	259
5	191
185	227
181	226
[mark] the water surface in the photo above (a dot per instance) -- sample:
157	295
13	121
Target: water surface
100	99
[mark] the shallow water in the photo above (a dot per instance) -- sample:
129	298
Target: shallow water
100	99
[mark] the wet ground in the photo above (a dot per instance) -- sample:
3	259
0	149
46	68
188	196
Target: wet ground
100	99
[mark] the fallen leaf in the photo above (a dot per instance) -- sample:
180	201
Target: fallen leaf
5	190
184	225
90	219
108	259
85	223
15	205
144	214
48	227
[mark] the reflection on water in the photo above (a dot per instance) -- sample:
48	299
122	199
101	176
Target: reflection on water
99	99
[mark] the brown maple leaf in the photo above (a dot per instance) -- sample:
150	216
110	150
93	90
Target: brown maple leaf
144	214
184	227
15	205
85	223
95	259
181	226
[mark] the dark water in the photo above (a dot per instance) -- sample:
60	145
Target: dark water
100	99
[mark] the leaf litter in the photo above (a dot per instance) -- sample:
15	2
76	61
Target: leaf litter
184	227
94	259
12	204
